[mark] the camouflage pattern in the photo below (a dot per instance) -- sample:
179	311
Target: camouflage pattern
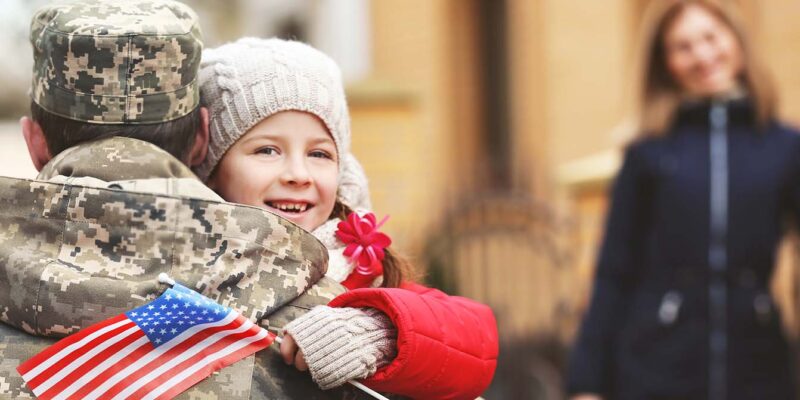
16	347
116	159
72	255
116	62
60	241
262	376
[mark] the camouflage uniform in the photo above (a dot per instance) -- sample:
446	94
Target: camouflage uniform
87	239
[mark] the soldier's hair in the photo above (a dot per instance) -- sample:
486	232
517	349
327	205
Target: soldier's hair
396	268
175	137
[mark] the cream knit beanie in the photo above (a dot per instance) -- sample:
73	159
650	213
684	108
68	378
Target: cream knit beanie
251	79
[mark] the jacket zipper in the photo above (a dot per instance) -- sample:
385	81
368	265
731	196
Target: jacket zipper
717	252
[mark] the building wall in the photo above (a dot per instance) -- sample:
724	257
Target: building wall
414	118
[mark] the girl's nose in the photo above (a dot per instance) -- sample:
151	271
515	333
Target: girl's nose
296	172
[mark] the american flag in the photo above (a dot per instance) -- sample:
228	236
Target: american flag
155	351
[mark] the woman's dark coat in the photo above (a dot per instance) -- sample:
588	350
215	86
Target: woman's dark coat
681	306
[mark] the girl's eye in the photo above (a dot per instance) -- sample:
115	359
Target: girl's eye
320	154
270	151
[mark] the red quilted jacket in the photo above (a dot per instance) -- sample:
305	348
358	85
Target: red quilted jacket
446	345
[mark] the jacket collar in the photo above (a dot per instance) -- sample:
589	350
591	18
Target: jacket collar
114	159
696	112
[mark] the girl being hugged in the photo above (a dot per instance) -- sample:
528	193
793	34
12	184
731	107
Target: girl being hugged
279	139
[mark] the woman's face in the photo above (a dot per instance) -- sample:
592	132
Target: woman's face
702	53
287	163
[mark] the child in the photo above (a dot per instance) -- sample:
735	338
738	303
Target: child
280	140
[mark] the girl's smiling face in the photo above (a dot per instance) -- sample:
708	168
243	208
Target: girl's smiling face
288	164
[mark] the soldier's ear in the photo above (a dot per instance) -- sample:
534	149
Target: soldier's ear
37	144
200	147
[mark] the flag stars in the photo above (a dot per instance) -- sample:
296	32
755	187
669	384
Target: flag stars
173	313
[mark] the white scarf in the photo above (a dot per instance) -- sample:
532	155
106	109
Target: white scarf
339	266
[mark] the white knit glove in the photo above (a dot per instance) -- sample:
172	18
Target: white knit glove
343	344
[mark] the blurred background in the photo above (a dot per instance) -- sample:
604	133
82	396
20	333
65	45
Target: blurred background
489	130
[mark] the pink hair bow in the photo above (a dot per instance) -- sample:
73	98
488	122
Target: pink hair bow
365	246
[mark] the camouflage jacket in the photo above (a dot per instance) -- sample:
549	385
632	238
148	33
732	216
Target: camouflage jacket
87	240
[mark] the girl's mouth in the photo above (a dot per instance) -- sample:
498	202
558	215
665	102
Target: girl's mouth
289	207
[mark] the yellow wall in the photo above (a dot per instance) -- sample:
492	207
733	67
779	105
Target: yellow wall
588	70
414	118
778	41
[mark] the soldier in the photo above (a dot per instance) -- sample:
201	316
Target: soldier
114	123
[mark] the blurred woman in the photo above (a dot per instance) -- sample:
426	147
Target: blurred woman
681	307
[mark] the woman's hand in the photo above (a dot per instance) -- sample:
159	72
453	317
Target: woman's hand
581	396
292	354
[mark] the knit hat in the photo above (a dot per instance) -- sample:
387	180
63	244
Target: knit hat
116	62
246	81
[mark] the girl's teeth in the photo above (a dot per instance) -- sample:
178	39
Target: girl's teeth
291	207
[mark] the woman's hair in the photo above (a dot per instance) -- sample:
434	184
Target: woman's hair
660	94
396	269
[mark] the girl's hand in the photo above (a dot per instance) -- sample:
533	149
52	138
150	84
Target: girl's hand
292	354
346	343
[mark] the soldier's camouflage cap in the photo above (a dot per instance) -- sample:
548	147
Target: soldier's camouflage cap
116	62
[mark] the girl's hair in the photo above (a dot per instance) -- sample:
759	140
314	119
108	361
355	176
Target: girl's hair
660	94
396	269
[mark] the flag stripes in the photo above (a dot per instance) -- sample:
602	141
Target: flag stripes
118	359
